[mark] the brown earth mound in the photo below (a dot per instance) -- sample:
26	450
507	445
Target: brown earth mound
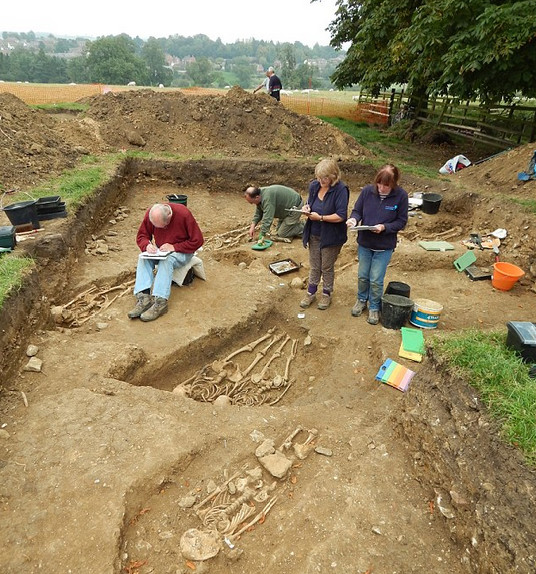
38	144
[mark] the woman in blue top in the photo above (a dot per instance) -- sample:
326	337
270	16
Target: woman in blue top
325	230
384	207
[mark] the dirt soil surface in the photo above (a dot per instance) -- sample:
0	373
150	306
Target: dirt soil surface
137	447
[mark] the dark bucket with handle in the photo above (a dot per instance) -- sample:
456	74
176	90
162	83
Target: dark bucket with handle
22	212
396	311
398	288
431	203
177	198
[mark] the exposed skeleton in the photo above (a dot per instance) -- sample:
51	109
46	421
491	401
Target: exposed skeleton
231	516
225	240
90	302
245	386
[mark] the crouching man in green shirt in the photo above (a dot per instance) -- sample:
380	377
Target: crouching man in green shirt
274	202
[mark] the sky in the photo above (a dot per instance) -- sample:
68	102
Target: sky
230	20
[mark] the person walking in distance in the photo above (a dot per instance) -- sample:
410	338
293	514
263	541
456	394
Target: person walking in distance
274	84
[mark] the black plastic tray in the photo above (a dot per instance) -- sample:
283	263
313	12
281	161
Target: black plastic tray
53	215
51	208
283	266
50	200
477	274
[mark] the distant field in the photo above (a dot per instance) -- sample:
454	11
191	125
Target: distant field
315	103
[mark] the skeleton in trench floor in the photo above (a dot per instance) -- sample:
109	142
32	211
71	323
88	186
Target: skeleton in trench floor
228	509
249	386
87	304
225	240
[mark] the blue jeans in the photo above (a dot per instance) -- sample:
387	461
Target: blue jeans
370	275
164	273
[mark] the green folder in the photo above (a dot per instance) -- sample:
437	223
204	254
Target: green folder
412	340
464	261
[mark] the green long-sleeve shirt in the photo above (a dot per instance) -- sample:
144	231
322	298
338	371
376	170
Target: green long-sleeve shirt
275	200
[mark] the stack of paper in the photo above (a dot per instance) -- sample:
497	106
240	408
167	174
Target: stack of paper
412	345
157	255
395	375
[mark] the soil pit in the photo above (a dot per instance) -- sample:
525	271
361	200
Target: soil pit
116	461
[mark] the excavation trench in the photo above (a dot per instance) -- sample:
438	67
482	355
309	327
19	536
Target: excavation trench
149	418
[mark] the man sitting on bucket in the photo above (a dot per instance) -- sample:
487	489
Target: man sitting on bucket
165	228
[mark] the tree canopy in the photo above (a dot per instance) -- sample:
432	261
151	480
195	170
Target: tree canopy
467	48
174	61
113	60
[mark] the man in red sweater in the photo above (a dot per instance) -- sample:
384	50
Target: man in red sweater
166	228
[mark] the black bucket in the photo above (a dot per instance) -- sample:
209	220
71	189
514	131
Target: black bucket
398	288
23	212
396	311
177	198
431	203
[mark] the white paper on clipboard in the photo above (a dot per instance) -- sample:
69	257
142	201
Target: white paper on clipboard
362	228
295	209
159	255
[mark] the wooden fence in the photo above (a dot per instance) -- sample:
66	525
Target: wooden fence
499	125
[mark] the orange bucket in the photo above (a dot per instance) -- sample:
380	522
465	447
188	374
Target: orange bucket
505	275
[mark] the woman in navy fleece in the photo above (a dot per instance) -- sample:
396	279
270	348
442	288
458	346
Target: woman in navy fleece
325	229
384	206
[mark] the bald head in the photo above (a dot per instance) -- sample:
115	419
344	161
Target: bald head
252	195
160	214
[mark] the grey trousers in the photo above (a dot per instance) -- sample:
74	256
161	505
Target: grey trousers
322	263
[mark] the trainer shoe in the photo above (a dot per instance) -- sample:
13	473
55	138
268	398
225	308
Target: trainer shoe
358	308
307	300
144	302
325	302
373	317
158	308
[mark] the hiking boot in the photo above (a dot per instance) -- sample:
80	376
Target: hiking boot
307	300
373	317
325	301
144	302
159	307
358	308
280	239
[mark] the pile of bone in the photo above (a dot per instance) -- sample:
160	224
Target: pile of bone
244	499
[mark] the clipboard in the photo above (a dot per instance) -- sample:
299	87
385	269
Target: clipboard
362	228
295	210
159	255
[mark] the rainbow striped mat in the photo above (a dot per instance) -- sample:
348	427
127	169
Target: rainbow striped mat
396	375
